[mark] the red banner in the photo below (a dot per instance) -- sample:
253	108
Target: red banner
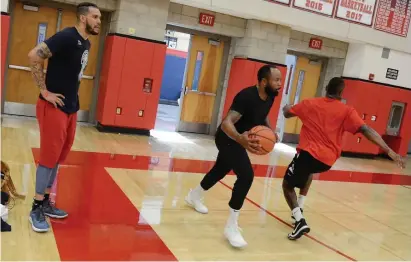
393	16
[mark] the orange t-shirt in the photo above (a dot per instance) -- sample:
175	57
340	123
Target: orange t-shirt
324	122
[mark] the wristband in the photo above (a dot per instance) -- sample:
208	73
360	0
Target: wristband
46	93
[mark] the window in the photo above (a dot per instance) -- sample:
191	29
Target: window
197	70
396	116
42	32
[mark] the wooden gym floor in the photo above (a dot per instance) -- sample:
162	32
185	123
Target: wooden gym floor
125	198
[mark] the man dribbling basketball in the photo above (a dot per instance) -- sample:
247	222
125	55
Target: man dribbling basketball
324	120
250	108
58	103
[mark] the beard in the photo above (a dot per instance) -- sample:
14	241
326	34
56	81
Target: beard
271	92
90	30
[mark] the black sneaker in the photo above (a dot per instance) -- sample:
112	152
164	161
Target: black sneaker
300	228
293	218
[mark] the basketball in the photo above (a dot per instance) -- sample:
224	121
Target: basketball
266	137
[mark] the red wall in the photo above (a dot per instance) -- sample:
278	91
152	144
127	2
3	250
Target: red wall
375	99
5	25
126	63
243	73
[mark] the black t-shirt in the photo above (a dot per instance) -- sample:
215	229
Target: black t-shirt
253	109
66	66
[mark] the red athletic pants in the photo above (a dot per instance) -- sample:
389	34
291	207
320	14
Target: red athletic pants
57	131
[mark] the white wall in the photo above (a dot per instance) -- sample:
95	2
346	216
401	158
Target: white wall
143	18
299	41
187	17
183	40
354	61
5	6
364	59
304	21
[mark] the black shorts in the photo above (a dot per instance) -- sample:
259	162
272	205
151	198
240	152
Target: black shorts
302	166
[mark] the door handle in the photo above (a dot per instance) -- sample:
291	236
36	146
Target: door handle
206	94
28	69
203	93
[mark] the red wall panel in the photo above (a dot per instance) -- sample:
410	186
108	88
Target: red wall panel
243	73
5	26
375	99
127	62
110	79
130	99
241	76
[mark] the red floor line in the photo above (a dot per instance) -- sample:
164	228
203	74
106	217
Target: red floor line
103	224
143	162
289	225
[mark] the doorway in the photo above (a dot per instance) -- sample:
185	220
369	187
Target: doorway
192	82
32	24
303	84
168	111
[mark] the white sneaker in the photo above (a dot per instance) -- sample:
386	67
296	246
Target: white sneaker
233	233
4	213
196	202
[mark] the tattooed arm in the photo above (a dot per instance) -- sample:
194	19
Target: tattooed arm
37	56
228	127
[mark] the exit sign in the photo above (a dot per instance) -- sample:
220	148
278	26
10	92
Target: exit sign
206	19
316	43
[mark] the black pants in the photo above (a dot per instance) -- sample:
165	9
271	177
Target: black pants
302	166
4	198
231	156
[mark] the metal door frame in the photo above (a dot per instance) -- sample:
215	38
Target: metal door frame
183	86
280	127
212	127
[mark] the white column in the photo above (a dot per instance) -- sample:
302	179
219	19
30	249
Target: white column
5	6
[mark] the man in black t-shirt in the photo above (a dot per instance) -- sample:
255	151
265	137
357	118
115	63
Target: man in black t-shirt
250	108
67	53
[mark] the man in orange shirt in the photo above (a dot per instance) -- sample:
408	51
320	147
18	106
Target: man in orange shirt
324	120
